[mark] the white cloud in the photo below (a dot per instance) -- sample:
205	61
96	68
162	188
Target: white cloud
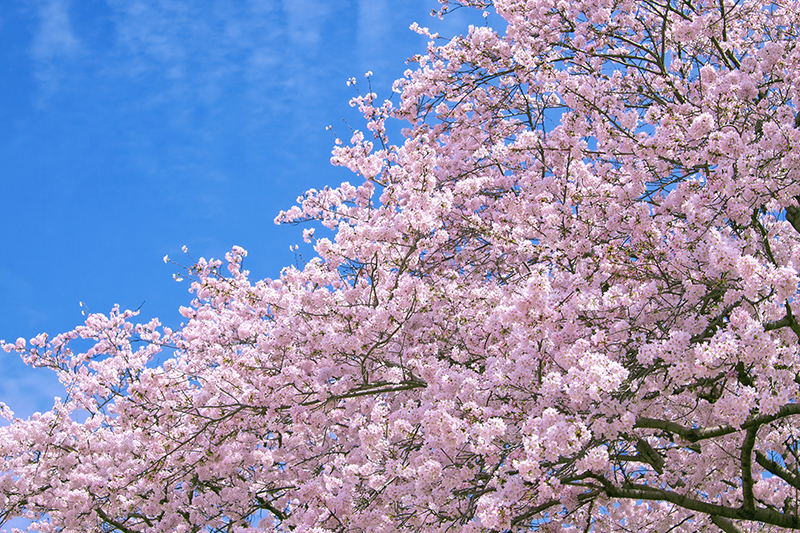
54	42
305	19
373	27
55	37
193	50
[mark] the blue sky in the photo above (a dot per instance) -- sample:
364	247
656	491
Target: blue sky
133	127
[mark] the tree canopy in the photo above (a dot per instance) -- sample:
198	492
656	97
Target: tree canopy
565	301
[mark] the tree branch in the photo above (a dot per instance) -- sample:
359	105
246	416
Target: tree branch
698	434
724	524
690	434
110	521
788	409
650	456
776	469
787	321
644	492
792	211
748	500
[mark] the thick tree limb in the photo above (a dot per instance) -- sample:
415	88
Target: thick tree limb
724	524
776	469
644	492
788	321
650	456
698	434
792	211
788	409
110	521
748	500
690	434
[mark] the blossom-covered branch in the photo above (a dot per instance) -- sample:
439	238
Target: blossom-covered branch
562	301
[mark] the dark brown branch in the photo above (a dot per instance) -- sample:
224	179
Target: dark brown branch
764	236
776	469
786	410
530	513
778	324
643	492
690	434
697	434
793	216
748	500
724	524
650	455
787	321
110	521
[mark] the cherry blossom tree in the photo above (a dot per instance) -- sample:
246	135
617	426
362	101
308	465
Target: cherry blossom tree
566	301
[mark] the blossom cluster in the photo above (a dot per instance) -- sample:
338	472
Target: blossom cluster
565	301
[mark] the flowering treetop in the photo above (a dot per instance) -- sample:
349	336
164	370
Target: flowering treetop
565	302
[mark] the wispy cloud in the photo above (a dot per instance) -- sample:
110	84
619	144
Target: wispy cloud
55	37
54	42
189	53
373	29
304	22
180	46
214	76
194	51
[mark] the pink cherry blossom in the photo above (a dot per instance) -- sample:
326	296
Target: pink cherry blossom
564	300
